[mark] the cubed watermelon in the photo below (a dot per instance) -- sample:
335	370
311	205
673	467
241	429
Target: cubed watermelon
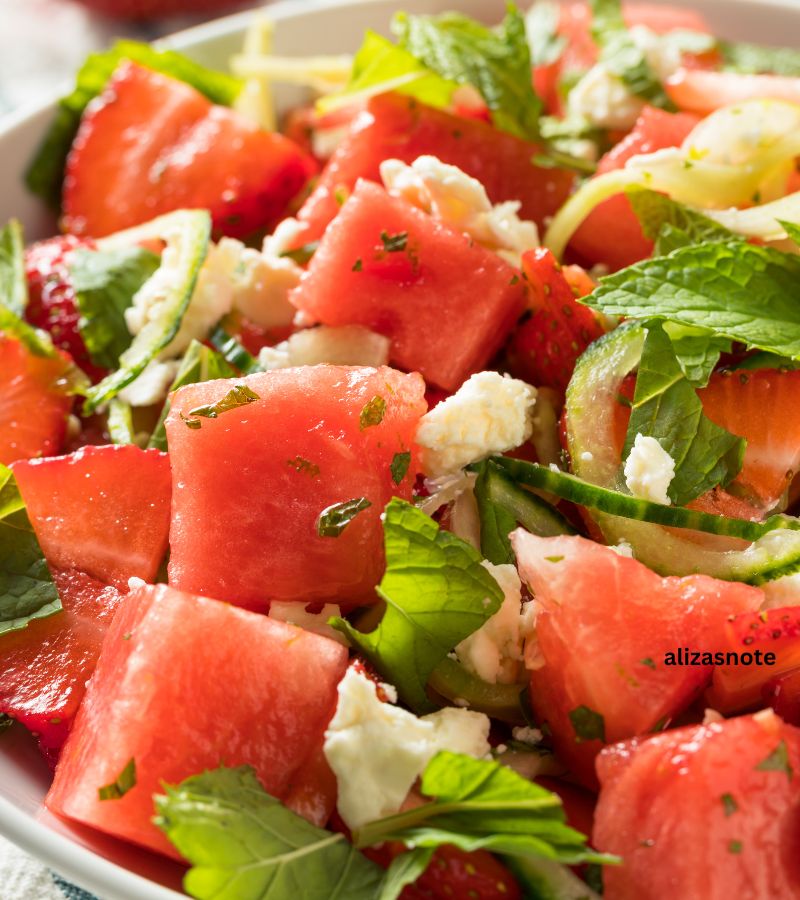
392	126
251	483
101	510
185	684
446	302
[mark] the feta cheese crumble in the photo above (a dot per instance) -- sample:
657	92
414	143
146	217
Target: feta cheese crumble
489	413
460	201
345	345
495	651
649	470
152	385
377	750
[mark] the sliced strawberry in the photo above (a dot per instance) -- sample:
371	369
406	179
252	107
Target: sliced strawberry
34	402
102	510
544	348
51	303
150	144
44	667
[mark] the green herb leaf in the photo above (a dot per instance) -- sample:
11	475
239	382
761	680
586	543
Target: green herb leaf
13	283
239	395
299	464
666	407
480	804
753	58
697	350
394	243
777	761
495	61
588	724
729	804
399	466
541	26
334	519
187	232
436	592
200	363
405	869
243	844
27	591
234	352
105	282
121	785
372	413
46	171
734	847
736	290
792	230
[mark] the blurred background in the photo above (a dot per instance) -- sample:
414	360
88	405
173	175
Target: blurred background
42	42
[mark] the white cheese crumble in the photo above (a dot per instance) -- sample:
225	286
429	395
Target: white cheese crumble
489	413
345	345
460	201
782	592
526	735
649	470
495	651
378	750
152	385
296	614
623	548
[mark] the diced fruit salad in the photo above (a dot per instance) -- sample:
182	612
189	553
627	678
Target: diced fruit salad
397	492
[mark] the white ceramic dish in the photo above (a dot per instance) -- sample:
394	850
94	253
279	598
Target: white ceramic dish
111	869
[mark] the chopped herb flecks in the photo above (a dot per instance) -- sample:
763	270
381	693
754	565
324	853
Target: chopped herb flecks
358	265
394	243
588	724
777	761
373	412
123	783
399	466
729	804
334	519
299	464
734	846
237	396
648	661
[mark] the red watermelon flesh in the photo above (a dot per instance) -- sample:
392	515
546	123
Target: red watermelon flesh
251	484
446	303
101	510
185	684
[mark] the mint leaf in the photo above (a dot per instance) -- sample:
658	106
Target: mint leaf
13	283
753	58
105	282
200	363
587	724
698	351
27	591
373	412
46	171
333	520
399	466
239	395
495	61
405	869
541	25
480	804
737	290
125	781
792	230
243	844
777	761
665	406
436	592
671	224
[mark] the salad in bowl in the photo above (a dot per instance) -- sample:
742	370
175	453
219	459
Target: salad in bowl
397	495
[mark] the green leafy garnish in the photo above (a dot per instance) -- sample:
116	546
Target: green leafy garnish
299	464
239	395
199	363
436	592
666	407
753	59
792	230
480	804
394	243
13	283
399	466
333	520
494	61
541	23
736	290
734	846
121	784
27	591
105	282
46	171
234	352
404	869
697	350
372	412
777	761
243	844
729	804
587	724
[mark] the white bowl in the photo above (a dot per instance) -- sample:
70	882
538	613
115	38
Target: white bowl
112	869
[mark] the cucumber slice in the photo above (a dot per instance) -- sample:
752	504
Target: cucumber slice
543	879
234	352
120	422
502	505
500	701
591	396
186	233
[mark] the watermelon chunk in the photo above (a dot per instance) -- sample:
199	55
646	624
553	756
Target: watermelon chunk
625	619
396	127
101	510
446	303
251	484
708	811
45	666
185	684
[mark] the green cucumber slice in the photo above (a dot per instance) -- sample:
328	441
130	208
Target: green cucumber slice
502	505
234	352
591	397
186	233
455	683
120	422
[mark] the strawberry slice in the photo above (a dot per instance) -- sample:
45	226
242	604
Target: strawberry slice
102	510
545	346
51	297
150	144
45	666
34	403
